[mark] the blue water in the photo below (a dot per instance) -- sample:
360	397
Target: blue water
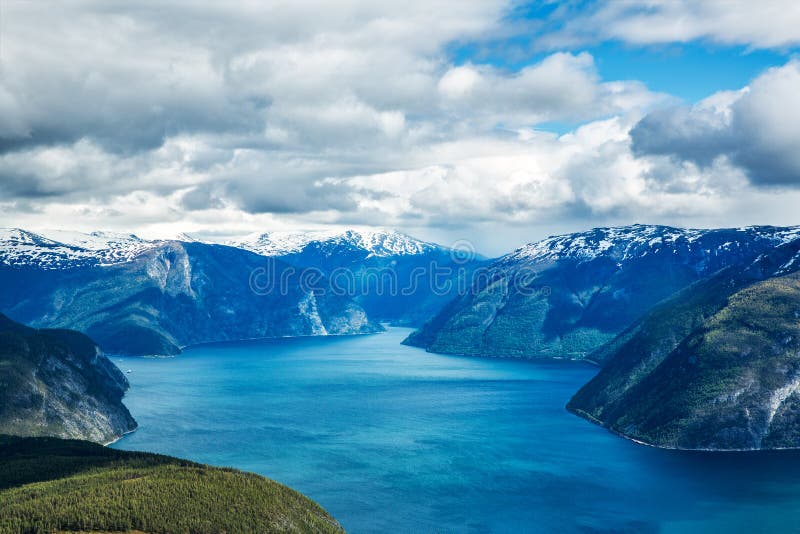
390	438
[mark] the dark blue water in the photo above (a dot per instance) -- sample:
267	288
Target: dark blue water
390	438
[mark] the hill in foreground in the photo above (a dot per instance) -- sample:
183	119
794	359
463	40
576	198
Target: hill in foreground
55	485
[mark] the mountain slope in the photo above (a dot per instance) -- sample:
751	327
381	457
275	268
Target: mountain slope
567	295
52	485
715	367
168	294
57	383
394	277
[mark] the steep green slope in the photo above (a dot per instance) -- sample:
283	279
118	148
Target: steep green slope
567	295
715	367
49	485
57	383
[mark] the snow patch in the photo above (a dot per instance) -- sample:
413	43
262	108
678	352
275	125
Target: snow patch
57	249
637	241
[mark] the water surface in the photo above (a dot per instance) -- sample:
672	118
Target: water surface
391	438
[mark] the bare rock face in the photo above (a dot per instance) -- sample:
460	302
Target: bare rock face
160	298
58	383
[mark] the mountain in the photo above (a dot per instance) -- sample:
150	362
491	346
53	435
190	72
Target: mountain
19	248
394	277
153	297
716	366
567	295
54	485
361	243
57	383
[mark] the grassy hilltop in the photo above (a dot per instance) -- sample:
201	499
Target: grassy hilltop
55	485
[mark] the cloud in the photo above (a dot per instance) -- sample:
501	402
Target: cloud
773	24
537	178
183	116
562	86
755	129
129	77
256	106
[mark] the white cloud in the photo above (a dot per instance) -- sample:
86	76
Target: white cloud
768	24
562	86
223	119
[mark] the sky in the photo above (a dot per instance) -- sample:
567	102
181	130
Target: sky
499	122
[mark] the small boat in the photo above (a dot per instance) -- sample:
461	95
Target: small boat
129	371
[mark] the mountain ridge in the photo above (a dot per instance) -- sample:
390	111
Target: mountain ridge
715	367
374	241
174	294
58	383
566	295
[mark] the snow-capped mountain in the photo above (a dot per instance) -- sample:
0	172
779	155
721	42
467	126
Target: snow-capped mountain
59	249
639	240
376	243
56	249
134	296
390	274
566	295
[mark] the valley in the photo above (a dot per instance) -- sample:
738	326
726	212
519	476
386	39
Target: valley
681	339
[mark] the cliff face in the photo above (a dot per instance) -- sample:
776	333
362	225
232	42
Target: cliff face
176	294
715	367
57	383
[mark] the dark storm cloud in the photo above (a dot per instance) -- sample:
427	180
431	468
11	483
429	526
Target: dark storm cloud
695	135
758	131
202	197
128	127
290	196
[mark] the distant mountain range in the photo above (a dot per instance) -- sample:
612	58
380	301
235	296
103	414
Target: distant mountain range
153	297
697	331
394	277
567	295
136	296
68	250
362	243
57	383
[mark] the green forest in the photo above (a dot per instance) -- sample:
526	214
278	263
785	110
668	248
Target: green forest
55	485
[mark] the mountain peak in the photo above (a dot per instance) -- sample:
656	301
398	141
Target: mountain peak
59	249
376	242
623	242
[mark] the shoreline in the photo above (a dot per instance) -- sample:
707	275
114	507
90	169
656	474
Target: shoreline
541	360
245	339
121	436
206	343
588	417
